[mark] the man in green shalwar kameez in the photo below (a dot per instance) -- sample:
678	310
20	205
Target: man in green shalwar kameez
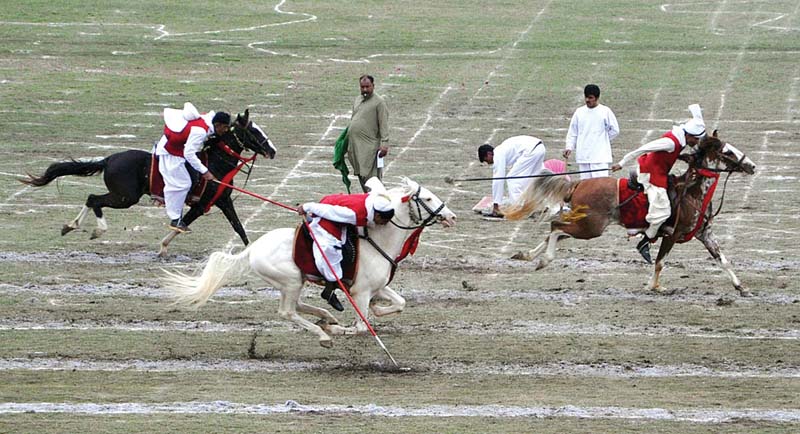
368	133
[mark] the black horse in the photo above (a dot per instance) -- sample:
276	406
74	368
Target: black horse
127	177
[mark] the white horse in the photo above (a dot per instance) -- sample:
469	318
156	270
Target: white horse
270	257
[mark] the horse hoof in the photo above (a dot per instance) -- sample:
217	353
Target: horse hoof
326	343
96	234
520	256
743	292
540	265
66	229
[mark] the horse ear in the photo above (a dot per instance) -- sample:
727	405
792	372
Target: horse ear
714	134
246	116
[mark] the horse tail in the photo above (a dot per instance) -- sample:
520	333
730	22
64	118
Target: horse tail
221	267
71	167
541	193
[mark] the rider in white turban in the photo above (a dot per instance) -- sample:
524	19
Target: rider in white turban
328	220
655	159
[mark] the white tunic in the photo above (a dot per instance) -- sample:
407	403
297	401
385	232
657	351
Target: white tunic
590	133
516	156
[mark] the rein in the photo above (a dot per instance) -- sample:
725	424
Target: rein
228	178
411	242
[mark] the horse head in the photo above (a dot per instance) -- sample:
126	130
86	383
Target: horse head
425	208
724	156
249	135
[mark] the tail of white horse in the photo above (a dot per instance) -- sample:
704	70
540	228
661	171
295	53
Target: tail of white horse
542	193
220	269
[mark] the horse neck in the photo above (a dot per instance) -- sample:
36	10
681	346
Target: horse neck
219	161
391	238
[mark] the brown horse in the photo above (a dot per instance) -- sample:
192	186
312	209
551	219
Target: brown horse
596	203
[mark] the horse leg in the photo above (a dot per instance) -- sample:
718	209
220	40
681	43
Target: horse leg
110	200
226	205
708	240
316	311
77	222
289	305
398	303
550	253
666	246
194	212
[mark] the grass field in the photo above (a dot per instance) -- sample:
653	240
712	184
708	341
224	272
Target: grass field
89	341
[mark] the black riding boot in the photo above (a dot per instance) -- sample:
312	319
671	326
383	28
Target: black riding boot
644	248
329	294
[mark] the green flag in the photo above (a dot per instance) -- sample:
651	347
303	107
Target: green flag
338	158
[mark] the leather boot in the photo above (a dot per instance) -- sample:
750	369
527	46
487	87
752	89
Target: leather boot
329	294
644	249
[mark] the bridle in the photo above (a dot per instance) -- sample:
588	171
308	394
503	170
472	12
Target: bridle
417	219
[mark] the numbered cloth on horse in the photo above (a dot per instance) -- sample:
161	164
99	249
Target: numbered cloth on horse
303	254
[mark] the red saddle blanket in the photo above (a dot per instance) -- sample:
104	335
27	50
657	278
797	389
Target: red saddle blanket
303	257
157	183
632	214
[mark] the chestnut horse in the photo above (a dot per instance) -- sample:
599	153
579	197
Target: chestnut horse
595	204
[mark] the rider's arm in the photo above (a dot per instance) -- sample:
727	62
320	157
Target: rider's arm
194	144
662	144
334	213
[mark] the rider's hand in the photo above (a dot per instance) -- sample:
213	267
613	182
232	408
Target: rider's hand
567	153
382	151
616	167
300	210
208	176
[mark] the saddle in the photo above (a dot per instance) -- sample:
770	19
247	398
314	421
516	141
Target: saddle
634	205
303	255
157	182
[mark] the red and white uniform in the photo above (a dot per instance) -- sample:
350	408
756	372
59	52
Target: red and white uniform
185	131
655	159
329	217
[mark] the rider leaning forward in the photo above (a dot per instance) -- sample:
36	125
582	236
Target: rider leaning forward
655	159
328	219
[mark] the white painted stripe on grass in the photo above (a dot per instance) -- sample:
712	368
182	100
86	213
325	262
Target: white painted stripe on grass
293	173
518	327
439	411
560	369
428	117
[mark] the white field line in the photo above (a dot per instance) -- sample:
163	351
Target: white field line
713	23
290	175
519	327
560	369
707	416
277	8
428	117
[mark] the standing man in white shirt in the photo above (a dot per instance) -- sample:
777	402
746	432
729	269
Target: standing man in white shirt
516	156
591	130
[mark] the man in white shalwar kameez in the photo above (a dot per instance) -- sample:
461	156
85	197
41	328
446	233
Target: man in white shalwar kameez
185	131
516	156
592	128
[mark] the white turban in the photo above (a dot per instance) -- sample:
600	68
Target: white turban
695	126
381	202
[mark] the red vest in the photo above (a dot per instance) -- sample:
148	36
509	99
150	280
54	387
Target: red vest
356	202
658	164
176	141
